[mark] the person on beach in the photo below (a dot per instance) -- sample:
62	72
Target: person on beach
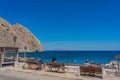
54	60
39	60
92	65
99	65
87	63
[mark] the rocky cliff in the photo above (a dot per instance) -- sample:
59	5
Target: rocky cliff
24	37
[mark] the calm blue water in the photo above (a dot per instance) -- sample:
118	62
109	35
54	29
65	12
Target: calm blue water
78	57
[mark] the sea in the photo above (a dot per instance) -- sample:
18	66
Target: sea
74	57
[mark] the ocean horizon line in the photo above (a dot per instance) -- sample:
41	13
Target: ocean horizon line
76	51
83	50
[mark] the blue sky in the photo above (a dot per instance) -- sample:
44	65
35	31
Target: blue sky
68	24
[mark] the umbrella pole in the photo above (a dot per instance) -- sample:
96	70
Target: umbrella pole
118	68
24	55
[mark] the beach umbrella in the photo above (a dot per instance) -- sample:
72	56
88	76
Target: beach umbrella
118	58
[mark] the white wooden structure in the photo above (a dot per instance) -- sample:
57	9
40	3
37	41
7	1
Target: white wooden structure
8	55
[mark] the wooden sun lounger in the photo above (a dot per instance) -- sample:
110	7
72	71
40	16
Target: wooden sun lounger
57	66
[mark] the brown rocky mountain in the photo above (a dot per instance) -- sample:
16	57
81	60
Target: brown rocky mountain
24	37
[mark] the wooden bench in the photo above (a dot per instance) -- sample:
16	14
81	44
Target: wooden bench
55	66
89	70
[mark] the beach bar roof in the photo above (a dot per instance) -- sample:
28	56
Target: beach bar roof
7	50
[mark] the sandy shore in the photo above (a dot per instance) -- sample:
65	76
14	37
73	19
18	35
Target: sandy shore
17	73
8	78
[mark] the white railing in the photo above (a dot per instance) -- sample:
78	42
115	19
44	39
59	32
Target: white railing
73	69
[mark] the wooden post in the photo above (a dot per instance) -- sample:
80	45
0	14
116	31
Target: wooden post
118	68
17	57
3	57
78	70
103	73
0	59
118	58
